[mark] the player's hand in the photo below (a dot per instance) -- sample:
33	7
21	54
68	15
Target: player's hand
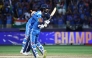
32	13
45	25
47	21
41	26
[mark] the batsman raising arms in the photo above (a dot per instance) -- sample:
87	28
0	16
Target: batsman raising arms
36	23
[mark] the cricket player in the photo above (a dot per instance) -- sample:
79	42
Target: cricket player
27	33
34	36
36	30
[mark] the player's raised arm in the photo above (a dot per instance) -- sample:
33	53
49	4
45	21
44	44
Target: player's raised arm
32	12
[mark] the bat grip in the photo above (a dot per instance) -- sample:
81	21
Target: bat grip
50	17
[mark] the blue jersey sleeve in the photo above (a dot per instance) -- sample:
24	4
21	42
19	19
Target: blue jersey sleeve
39	14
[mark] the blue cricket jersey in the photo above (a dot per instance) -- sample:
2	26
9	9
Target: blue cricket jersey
32	20
36	16
30	24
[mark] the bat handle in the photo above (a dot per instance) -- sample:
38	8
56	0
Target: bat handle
50	17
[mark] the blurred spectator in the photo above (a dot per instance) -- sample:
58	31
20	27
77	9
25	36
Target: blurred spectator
19	10
70	19
90	21
91	13
87	10
27	15
1	21
82	15
60	19
5	11
86	19
9	20
25	5
31	5
6	2
54	21
61	8
90	5
70	12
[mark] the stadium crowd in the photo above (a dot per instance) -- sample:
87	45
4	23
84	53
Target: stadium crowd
70	13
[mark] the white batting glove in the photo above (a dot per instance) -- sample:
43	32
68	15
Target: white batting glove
45	25
41	26
47	21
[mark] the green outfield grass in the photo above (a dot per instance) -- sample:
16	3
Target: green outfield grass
57	50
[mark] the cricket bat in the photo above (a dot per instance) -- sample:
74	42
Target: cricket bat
52	13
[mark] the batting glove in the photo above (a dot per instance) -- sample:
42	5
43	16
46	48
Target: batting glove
47	21
41	26
45	25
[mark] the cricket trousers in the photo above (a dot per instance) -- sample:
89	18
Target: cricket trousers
34	36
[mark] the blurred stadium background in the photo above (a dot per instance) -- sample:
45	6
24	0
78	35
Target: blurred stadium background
69	34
